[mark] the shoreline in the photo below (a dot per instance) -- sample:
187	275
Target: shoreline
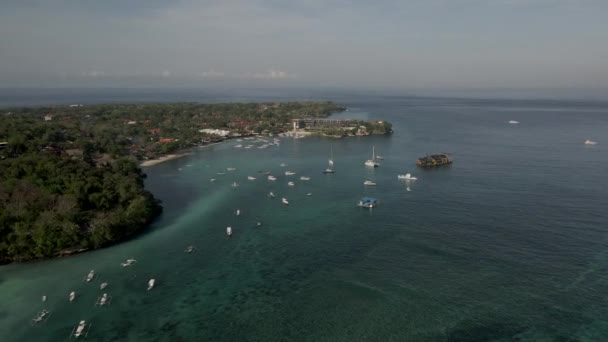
176	155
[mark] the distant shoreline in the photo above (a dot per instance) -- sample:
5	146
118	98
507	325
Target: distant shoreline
172	156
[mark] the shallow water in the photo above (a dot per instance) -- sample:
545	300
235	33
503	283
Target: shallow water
508	243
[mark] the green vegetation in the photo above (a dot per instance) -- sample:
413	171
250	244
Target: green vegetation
69	175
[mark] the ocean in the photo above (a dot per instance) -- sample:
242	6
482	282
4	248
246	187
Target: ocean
508	243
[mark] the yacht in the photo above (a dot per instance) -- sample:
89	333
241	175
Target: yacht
272	178
305	178
590	142
151	283
104	300
407	176
90	276
289	173
72	296
41	316
284	201
291	184
128	262
103	285
251	178
368	182
368	202
372	162
81	329
271	194
229	231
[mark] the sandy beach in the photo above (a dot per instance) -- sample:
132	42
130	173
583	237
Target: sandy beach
162	159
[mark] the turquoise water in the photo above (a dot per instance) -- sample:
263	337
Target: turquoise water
508	243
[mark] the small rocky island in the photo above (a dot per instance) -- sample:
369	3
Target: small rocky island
70	176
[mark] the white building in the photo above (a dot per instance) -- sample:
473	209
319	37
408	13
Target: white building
219	132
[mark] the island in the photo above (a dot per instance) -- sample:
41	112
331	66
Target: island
71	177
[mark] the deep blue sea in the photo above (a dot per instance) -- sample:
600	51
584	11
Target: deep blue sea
510	243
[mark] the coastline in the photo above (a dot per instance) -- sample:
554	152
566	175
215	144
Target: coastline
176	155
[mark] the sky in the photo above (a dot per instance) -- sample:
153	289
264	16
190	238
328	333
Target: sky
278	43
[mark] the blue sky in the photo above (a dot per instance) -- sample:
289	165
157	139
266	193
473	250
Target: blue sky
343	43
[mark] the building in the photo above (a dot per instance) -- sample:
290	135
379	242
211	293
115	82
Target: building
320	123
48	117
220	132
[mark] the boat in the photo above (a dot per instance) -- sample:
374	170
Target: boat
128	262
235	185
291	184
408	189
72	296
271	194
289	173
407	176
230	168
379	158
212	180
41	316
103	300
368	182
272	178
309	194
251	178
229	231
372	162
238	146
103	285
330	166
259	223
237	212
151	283
305	178
590	142
513	122
329	170
434	160
221	173
82	329
90	276
189	249
284	201
368	202
44	298
283	165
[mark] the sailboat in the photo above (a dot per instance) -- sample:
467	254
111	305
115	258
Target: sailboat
330	166
372	162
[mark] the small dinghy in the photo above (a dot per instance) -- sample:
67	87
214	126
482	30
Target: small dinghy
513	122
103	285
235	185
105	299
43	298
212	180
230	168
229	231
151	283
237	212
72	296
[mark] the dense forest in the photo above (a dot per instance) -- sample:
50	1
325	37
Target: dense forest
69	175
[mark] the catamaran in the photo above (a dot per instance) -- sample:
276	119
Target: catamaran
90	276
151	283
104	300
372	162
368	202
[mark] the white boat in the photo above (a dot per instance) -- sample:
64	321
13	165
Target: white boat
151	283
291	184
103	285
251	178
212	180
408	189
372	162
41	316
283	164
590	142
235	184
72	296
379	158
128	262
272	178
289	173
90	276
229	231
189	249
309	194
271	194
284	201
368	182
238	146
330	166
248	146
221	173
230	168
104	300
305	178
237	212
407	176
81	329
513	122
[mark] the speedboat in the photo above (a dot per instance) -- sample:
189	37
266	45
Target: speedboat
284	201
151	283
368	182
250	177
72	296
229	231
305	178
291	184
513	122
272	178
368	202
407	176
590	142
90	276
41	316
189	249
103	285
79	330
128	262
289	173
271	194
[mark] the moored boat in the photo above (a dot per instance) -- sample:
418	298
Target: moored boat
368	182
90	276
151	283
407	176
372	162
72	296
291	184
229	231
284	201
103	285
368	202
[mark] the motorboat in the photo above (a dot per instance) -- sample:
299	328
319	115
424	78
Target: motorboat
151	283
372	162
43	298
272	178
305	178
103	285
289	173
212	180
72	296
271	194
237	212
82	329
368	202
221	173
189	249
590	142
407	176
104	300
90	276
251	178
128	262
513	122
329	170
230	168
284	201
309	194
368	182
291	184
229	231
41	316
